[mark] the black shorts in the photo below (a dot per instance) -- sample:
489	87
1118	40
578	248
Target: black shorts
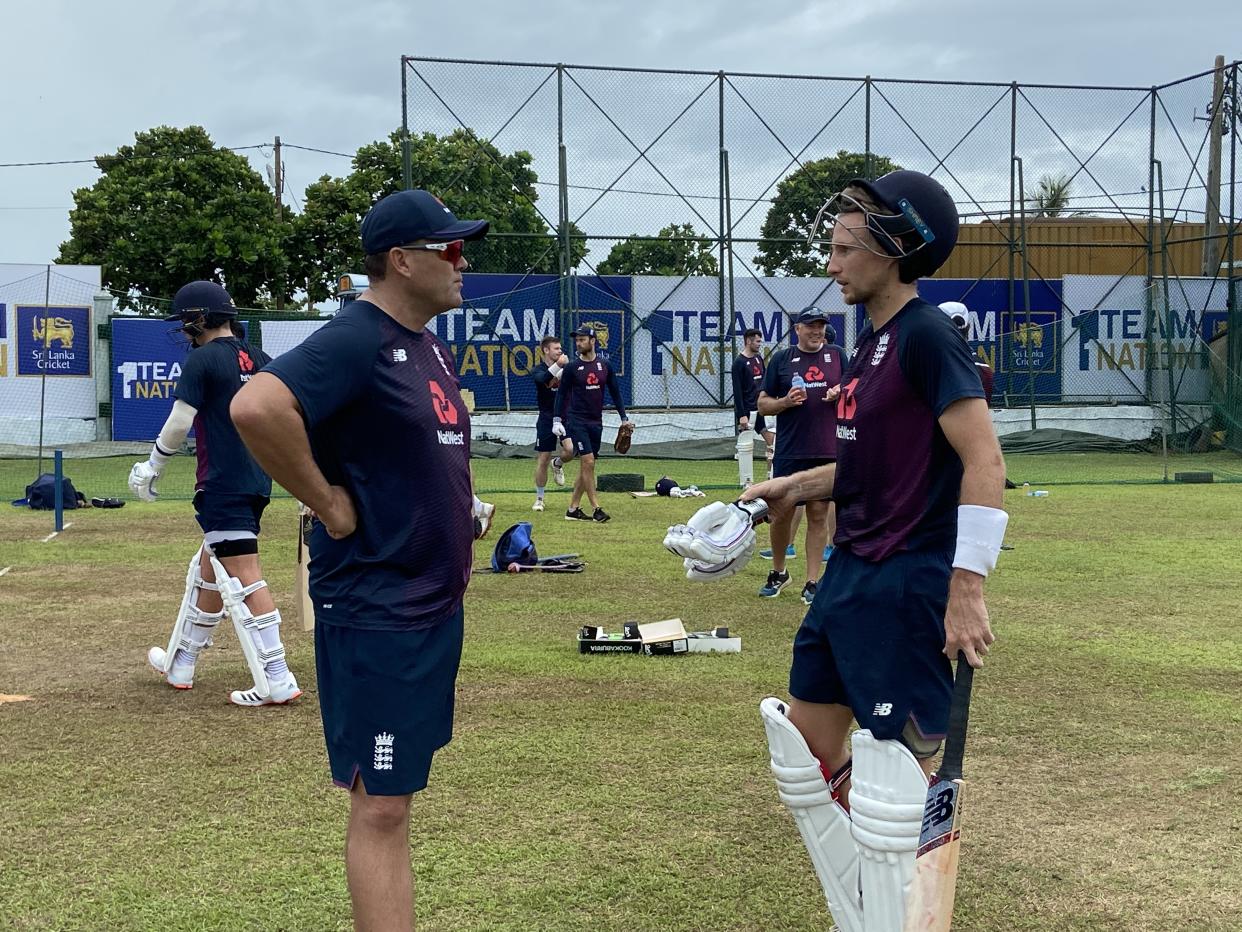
585	437
216	511
386	700
545	440
873	640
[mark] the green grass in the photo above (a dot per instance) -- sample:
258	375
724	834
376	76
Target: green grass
106	476
626	793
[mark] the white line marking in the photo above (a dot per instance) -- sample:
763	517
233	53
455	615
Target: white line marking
68	524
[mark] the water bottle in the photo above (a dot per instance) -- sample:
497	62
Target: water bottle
1040	493
1026	489
797	381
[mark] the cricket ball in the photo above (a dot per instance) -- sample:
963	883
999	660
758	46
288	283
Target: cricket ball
515	568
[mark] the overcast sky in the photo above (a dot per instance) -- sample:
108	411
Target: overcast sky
81	78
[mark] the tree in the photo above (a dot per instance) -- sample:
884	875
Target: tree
471	175
1050	197
171	208
799	196
678	250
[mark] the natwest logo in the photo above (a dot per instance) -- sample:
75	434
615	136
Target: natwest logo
446	411
244	361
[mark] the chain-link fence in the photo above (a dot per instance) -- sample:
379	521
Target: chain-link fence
1133	187
1099	257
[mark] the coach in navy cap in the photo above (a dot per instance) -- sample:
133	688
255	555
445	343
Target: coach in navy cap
409	216
364	421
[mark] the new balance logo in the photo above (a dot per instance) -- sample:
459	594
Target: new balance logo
398	355
882	709
383	751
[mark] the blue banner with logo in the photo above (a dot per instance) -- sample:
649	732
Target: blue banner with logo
494	336
55	341
146	364
1023	350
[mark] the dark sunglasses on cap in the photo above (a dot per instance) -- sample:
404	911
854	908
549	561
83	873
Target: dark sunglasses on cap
449	252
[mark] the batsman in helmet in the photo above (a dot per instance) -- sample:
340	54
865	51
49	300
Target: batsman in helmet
917	484
230	494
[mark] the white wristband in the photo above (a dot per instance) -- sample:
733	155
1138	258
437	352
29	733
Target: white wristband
158	458
980	533
555	370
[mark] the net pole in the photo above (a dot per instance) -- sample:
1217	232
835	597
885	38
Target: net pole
47	342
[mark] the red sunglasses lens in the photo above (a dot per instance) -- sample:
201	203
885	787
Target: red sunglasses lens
453	251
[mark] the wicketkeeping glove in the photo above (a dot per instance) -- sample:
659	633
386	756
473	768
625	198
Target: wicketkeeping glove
718	540
142	479
624	434
558	428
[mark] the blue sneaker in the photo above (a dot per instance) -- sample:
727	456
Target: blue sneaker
789	552
776	582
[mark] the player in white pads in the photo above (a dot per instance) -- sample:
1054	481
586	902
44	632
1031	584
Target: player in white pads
917	484
231	491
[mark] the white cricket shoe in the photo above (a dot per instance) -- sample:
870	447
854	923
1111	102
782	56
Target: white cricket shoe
558	473
280	694
181	676
538	506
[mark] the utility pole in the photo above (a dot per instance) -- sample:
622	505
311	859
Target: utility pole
1211	230
280	210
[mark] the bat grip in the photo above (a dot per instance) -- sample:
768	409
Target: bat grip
959	718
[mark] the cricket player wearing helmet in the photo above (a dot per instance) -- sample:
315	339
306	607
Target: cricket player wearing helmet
917	484
230	493
364	422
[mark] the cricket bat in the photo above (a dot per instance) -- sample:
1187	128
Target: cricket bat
929	905
306	608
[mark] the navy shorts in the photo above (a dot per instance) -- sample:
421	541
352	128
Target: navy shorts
585	437
787	466
545	440
217	511
873	640
386	700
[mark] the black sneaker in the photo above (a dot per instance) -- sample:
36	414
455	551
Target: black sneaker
600	515
776	582
577	514
808	593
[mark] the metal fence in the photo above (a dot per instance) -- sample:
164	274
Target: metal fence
1148	182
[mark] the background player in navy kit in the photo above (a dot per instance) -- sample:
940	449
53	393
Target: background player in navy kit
917	485
748	371
364	423
806	425
956	312
230	494
580	418
547	376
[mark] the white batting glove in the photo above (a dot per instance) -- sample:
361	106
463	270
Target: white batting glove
558	429
142	479
718	540
482	512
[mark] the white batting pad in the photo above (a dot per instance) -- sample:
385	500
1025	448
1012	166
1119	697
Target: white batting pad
824	826
886	806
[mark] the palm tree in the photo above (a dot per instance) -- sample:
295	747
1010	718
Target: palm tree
1050	197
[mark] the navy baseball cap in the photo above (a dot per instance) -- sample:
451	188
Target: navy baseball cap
407	216
582	332
201	297
809	315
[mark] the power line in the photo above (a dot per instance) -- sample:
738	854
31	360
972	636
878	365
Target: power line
127	158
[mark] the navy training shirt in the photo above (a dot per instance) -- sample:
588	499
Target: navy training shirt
210	376
387	422
545	387
581	395
747	378
898	480
808	430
